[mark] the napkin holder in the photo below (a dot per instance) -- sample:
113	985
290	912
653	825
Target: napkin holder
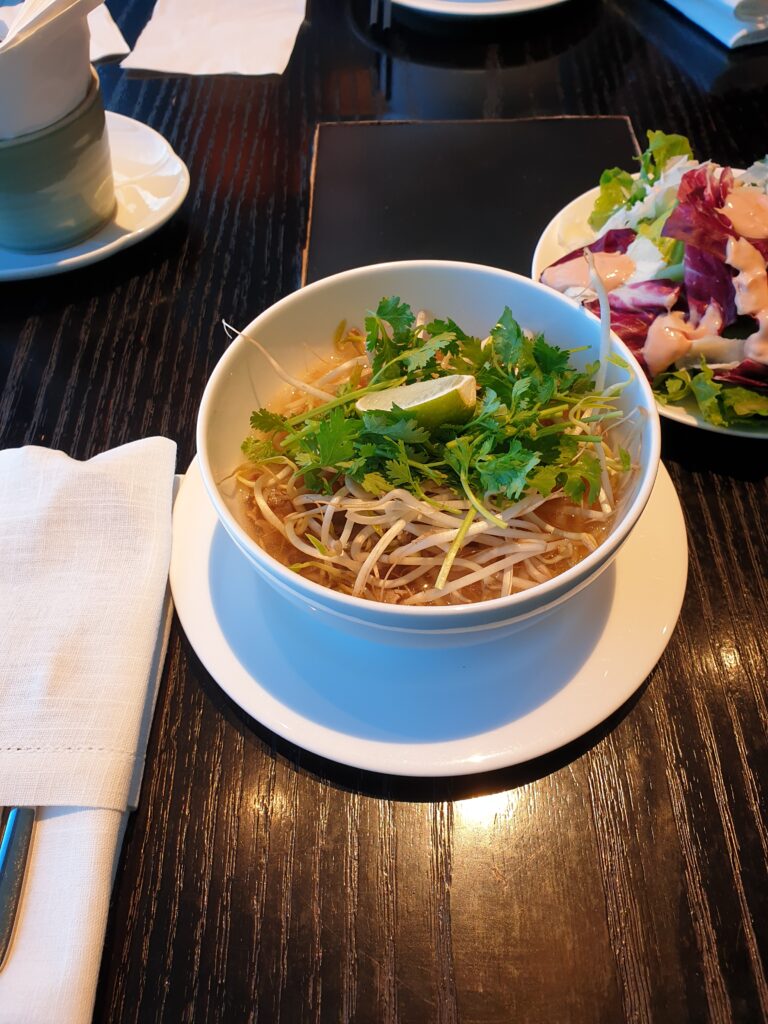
56	185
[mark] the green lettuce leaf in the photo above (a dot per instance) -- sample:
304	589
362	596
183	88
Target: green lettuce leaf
661	149
742	402
617	188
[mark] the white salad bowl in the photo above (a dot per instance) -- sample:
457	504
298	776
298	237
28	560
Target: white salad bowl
300	327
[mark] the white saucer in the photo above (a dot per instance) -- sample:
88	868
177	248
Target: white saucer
549	248
428	712
476	8
151	182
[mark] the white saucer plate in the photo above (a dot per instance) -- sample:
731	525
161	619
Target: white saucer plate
426	712
151	182
549	248
476	8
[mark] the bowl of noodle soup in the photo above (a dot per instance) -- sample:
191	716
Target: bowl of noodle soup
370	561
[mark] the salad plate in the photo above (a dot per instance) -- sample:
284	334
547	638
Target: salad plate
151	182
475	8
427	712
551	247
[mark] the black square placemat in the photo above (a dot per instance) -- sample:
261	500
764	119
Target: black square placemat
480	191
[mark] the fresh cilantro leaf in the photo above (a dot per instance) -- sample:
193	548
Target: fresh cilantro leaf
471	356
525	386
582	481
266	421
448	326
490	378
395	425
490	404
257	450
458	454
544	479
335	436
375	484
507	472
546	389
397	314
388	333
425	355
549	358
508	341
399	473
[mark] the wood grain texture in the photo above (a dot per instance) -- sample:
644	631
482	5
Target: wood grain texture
622	878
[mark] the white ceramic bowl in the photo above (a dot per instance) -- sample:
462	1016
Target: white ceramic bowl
303	324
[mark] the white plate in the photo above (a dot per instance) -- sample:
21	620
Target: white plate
548	249
151	182
473	8
428	712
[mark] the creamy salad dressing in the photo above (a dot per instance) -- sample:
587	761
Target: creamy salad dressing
614	269
751	284
747	209
670	337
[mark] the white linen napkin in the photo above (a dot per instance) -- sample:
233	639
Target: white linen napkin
732	22
197	37
83	627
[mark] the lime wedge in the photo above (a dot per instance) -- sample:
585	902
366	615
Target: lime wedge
449	399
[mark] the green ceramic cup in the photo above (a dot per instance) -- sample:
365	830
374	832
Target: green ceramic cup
56	183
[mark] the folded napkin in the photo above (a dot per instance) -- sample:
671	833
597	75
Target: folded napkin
107	40
732	22
85	548
196	37
45	68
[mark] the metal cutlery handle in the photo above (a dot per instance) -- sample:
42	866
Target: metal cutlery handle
14	847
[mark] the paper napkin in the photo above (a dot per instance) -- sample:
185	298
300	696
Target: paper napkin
45	68
732	22
197	37
107	41
85	548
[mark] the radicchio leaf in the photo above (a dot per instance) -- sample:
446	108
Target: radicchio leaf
749	374
656	296
695	220
708	280
617	240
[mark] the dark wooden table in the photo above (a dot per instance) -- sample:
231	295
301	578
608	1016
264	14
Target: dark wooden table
620	879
